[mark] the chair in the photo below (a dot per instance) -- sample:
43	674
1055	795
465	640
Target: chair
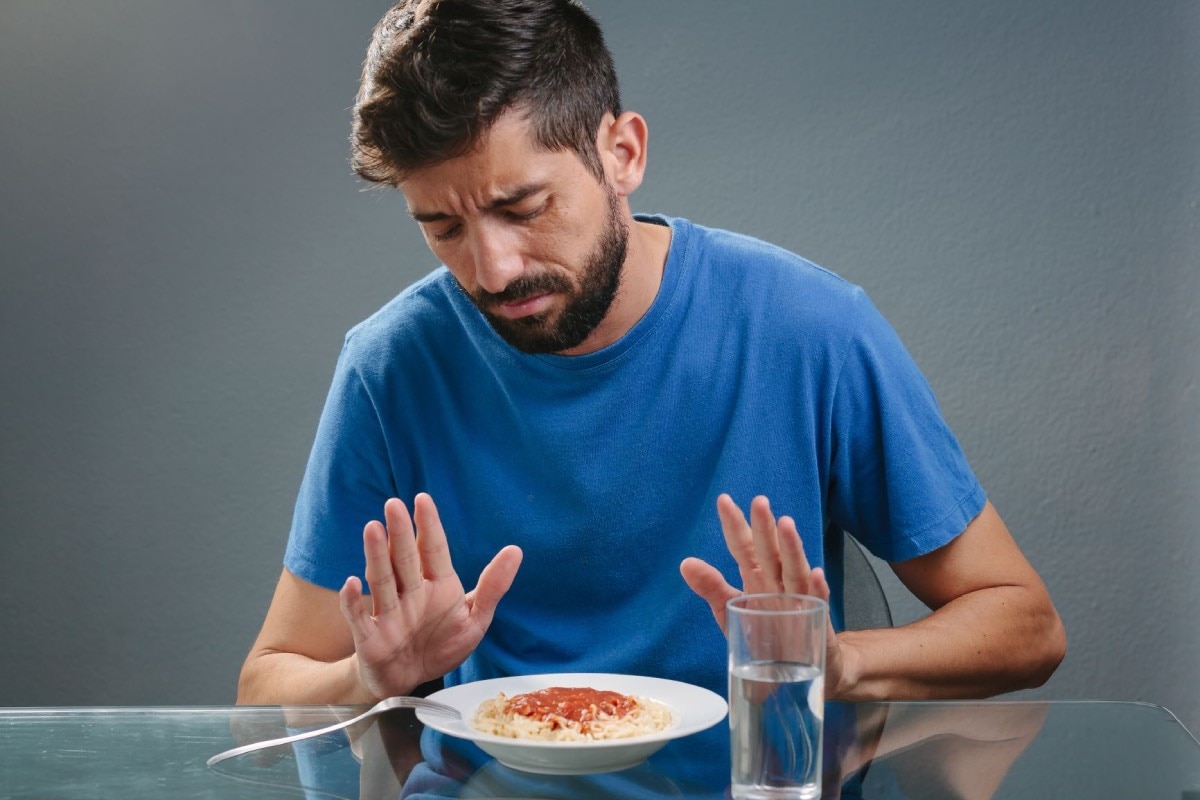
864	603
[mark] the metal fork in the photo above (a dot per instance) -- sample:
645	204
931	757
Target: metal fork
374	711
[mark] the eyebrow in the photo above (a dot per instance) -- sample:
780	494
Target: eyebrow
513	197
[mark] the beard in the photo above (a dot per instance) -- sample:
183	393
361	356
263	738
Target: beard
588	298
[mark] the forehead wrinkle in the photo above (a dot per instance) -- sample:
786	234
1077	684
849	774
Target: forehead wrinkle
504	167
497	199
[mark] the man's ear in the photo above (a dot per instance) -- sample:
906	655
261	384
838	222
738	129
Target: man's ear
621	143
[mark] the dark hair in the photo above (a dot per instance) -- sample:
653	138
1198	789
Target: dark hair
439	73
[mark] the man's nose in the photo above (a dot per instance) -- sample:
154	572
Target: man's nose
497	258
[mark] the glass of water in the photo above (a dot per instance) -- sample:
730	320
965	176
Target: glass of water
776	695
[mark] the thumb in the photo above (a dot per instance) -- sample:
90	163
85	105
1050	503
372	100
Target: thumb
708	582
495	580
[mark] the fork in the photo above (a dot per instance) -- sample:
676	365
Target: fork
379	708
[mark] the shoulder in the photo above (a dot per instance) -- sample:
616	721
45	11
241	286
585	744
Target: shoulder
748	260
751	277
423	312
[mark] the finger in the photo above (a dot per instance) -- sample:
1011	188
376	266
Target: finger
796	573
818	586
740	541
403	544
766	542
431	539
354	609
495	580
380	576
708	582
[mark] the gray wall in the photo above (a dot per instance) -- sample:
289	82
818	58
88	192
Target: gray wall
183	246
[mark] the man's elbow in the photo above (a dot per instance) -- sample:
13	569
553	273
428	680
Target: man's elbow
1050	651
249	681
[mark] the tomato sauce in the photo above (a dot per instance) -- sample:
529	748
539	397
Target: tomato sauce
582	705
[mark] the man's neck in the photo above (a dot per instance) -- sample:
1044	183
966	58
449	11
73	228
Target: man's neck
645	259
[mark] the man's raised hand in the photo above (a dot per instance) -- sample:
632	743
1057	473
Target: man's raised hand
418	623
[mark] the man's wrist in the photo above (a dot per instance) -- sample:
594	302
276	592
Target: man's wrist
358	692
849	669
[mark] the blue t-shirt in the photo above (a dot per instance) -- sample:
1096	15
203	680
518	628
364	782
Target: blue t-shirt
753	372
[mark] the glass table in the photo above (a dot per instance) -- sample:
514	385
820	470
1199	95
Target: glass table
992	749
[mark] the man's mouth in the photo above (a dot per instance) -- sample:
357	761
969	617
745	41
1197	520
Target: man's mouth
524	306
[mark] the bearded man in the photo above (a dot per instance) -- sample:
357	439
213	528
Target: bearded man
592	397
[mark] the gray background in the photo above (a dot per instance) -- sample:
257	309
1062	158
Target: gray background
1015	183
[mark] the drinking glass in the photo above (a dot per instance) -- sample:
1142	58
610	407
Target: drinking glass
776	695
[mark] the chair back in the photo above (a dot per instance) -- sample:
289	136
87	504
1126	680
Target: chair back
864	603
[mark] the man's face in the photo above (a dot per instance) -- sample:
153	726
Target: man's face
532	237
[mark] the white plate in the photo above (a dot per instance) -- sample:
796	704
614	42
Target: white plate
695	709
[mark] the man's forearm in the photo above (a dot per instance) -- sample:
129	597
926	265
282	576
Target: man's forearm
280	678
995	640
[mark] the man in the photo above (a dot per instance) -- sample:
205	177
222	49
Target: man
577	387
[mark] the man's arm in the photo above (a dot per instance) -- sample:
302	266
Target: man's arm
304	654
318	646
993	628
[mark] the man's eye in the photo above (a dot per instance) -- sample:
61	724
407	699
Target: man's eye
520	216
447	234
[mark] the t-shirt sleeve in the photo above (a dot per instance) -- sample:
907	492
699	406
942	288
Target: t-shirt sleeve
899	481
348	478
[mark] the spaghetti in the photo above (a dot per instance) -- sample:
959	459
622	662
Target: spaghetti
569	714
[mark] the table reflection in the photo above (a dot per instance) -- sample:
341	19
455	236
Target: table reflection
870	750
994	749
926	750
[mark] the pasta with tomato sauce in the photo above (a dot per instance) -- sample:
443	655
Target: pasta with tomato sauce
570	714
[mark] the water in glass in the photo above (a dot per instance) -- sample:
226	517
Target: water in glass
776	711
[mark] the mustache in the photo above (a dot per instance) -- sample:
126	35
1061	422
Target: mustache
522	287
